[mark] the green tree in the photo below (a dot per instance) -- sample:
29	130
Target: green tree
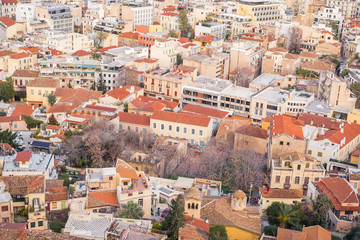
184	25
131	210
321	206
179	59
51	99
93	86
8	137
56	226
353	234
101	84
173	34
69	85
287	216
175	219
100	37
52	120
271	230
218	232
31	123
272	213
355	89
7	91
68	134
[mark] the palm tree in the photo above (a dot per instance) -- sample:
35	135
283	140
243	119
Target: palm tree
100	37
287	216
131	210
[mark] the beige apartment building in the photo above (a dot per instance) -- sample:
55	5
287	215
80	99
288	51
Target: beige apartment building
164	50
246	55
260	12
135	14
279	61
167	86
197	129
251	136
6	205
295	171
37	91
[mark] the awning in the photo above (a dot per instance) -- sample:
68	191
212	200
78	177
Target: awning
89	66
43	63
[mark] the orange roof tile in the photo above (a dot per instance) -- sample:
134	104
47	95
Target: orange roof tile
134	118
147	60
44	82
127	173
170	14
23	109
254	131
6	145
32	49
188	45
197	223
319	121
102	198
184	118
102	50
141	101
189	108
7	21
9	1
280	193
76	96
25	73
205	39
54	127
80	53
20	55
61	107
286	125
23	156
118	93
132	35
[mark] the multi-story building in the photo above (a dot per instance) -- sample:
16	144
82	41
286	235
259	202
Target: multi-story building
231	21
272	101
295	171
8	8
210	28
57	15
167	85
37	91
329	15
28	192
70	42
77	73
261	12
246	55
204	91
6	205
28	163
170	20
25	12
237	100
279	61
197	129
134	14
348	8
164	50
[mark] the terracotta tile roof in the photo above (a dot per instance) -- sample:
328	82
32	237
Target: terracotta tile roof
132	35
189	108
197	223
308	54
354	176
318	65
55	52
348	132
134	118
25	73
296	156
9	1
23	185
127	173
219	211
355	153
188	45
23	109
32	49
56	194
23	157
20	55
319	121
147	60
102	50
280	193
190	232
142	99
317	233
251	39
183	40
184	68
93	106
131	88
6	146
13	226
291	56
61	107
6	53
170	14
9	234
286	125
254	131
76	96
44	82
50	183
340	192
54	127
80	53
288	234
278	50
205	39
7	21
102	198
184	118
118	93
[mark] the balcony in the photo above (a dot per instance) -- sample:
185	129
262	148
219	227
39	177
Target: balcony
342	225
287	185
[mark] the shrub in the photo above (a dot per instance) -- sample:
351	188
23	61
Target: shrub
56	226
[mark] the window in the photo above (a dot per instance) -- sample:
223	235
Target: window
319	154
129	128
299	167
32	91
185	130
4	208
177	129
355	185
348	212
111	178
281	143
288	143
54	205
193	131
307	165
277	179
200	132
170	128
287	164
162	127
309	152
154	125
136	129
33	224
40	223
297	180
140	202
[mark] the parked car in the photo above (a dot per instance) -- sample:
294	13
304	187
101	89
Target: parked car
165	212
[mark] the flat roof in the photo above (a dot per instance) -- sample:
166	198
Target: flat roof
37	163
319	107
266	79
209	83
238	91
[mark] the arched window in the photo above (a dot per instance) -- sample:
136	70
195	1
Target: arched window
197	206
193	205
307	165
189	205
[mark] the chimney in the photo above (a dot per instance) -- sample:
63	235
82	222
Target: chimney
192	218
341	130
312	122
32	107
20	116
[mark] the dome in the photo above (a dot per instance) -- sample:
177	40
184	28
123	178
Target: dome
239	194
193	192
